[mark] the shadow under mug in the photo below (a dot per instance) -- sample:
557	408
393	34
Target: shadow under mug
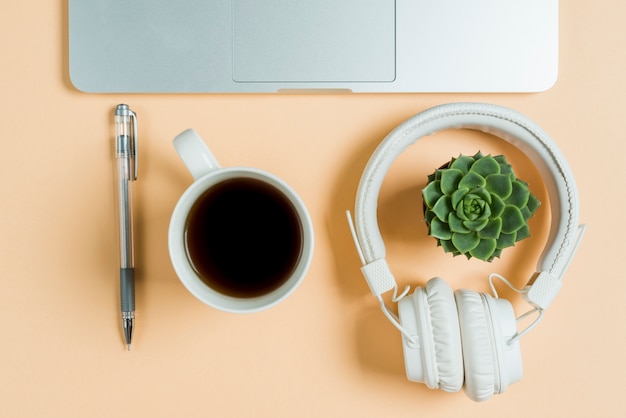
240	239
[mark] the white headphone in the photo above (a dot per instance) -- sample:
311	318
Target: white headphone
465	338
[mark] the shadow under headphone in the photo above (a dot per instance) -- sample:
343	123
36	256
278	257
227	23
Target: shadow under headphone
465	338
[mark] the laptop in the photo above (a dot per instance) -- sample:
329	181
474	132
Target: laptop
262	46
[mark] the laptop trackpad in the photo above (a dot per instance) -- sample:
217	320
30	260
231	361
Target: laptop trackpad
313	41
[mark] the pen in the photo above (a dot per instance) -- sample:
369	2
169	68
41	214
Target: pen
126	159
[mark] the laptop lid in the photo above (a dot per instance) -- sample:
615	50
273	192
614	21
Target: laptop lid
204	46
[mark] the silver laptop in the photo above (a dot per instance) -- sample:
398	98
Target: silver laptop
204	46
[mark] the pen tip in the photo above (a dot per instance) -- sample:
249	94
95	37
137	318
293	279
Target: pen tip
128	347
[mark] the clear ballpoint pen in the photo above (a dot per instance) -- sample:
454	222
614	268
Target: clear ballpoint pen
126	162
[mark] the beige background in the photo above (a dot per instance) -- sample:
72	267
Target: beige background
326	351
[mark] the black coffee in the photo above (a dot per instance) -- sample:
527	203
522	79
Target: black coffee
243	237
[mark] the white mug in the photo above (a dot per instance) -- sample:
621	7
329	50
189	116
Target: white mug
240	239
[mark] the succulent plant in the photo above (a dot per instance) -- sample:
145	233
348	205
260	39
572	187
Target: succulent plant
477	207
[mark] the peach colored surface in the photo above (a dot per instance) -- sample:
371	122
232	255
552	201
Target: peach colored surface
326	351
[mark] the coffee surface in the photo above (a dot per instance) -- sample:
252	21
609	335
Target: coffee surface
243	237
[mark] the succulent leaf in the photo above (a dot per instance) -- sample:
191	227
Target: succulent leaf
456	224
506	240
440	229
458	195
476	226
497	206
448	247
500	185
462	163
533	203
432	193
485	166
465	242
429	216
442	208
492	230
512	219
483	194
523	232
450	180
475	206
484	250
471	180
519	194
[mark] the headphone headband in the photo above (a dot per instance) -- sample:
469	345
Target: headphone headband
502	122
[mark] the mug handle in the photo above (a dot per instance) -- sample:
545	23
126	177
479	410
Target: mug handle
198	158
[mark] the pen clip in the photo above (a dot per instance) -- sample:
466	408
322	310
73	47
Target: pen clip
133	117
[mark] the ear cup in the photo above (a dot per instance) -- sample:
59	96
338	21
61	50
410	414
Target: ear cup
478	346
508	352
492	361
445	333
430	314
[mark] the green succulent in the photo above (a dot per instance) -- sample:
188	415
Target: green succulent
477	207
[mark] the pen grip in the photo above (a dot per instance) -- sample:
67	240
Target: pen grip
127	289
